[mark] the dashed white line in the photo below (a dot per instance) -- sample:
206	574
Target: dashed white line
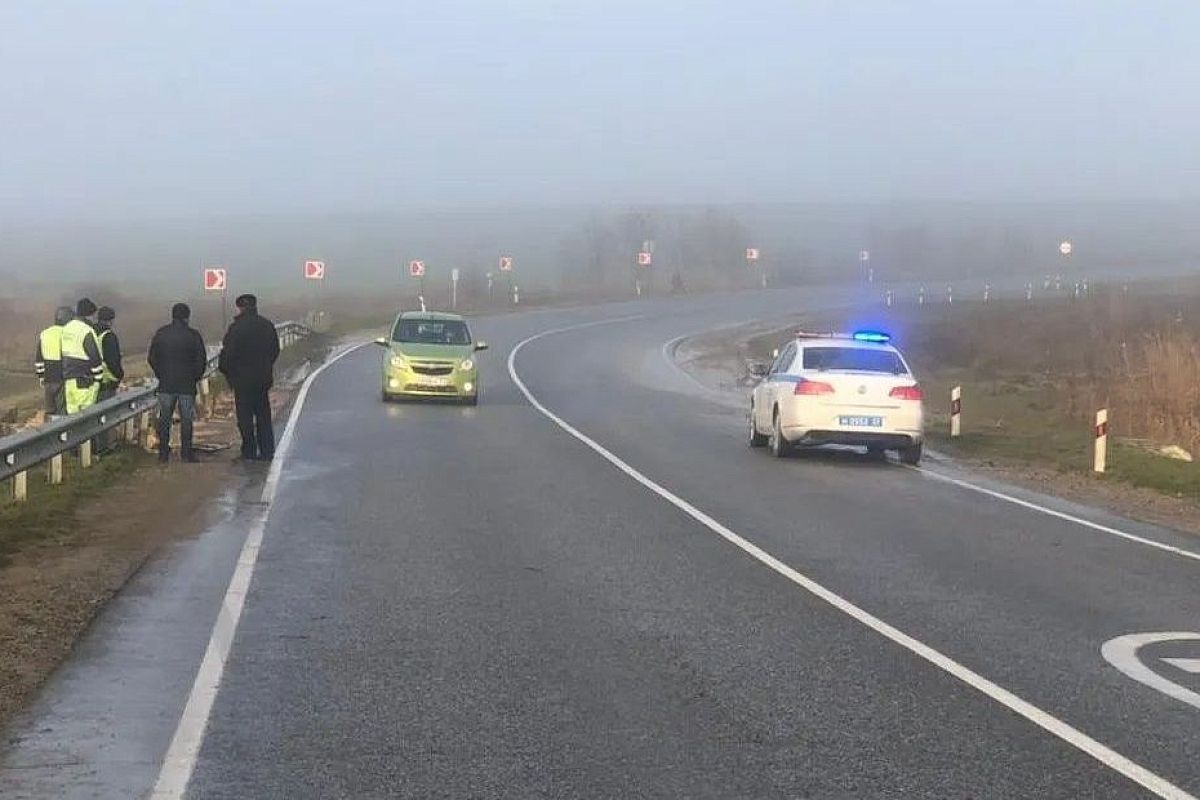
180	759
1071	735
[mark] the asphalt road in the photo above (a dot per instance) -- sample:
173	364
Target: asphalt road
476	602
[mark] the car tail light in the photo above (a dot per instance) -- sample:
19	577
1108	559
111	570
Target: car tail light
812	387
907	393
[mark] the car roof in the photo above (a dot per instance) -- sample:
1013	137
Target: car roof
430	315
849	344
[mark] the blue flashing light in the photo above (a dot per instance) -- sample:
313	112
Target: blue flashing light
878	337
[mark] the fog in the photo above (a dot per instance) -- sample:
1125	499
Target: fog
141	139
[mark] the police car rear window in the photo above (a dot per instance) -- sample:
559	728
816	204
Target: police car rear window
852	359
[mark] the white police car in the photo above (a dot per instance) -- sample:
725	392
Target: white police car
846	389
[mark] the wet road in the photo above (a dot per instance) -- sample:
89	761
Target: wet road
604	593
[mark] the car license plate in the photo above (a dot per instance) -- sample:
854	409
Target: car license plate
435	383
861	422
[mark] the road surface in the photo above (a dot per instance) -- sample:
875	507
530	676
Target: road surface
588	586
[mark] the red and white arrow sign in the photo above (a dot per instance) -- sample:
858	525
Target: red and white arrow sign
506	263
214	279
314	270
416	269
752	254
645	259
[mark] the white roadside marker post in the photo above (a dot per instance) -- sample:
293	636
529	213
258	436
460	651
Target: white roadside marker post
987	292
1029	291
1100	461
956	412
949	294
888	296
921	296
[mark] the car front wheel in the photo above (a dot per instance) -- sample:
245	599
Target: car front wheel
911	455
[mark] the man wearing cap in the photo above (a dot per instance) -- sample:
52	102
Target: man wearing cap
178	358
110	355
81	362
248	362
47	361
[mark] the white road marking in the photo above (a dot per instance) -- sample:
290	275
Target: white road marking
1122	653
1169	548
180	759
1073	736
1191	665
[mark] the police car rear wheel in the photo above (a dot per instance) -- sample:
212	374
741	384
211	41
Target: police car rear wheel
911	455
756	439
779	445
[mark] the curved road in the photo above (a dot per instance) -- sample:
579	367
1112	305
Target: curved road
588	586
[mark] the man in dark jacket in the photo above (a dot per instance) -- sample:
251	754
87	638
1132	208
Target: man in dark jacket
248	362
114	372
178	358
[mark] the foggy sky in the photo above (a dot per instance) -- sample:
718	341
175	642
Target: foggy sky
134	109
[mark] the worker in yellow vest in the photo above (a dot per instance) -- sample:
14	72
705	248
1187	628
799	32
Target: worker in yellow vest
47	362
82	366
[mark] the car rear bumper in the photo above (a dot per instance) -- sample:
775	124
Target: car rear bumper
887	440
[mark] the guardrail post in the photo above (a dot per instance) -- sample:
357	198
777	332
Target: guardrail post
144	430
129	430
20	487
85	454
55	475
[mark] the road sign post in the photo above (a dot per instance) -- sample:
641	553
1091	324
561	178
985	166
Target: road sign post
1100	449
416	269
864	258
216	280
506	266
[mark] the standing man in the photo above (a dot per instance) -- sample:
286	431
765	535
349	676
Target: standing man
47	361
82	366
178	358
110	356
248	362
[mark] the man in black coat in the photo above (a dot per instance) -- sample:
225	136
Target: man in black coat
248	362
178	358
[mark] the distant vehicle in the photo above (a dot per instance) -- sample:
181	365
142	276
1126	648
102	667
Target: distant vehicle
845	389
430	354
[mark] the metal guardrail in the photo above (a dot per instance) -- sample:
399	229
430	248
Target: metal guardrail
133	408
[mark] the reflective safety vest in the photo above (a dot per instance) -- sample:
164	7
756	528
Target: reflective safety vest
80	351
48	359
106	375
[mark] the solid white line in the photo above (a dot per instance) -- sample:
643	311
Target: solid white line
1191	665
180	758
1179	551
1076	738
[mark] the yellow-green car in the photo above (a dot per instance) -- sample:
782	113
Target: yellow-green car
430	354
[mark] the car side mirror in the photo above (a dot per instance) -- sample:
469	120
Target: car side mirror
481	346
381	341
758	369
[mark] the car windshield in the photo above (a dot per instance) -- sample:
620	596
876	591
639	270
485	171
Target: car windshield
432	331
853	359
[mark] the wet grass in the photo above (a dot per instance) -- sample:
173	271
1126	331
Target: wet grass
48	516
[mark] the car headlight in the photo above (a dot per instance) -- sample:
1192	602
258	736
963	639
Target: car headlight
466	365
398	362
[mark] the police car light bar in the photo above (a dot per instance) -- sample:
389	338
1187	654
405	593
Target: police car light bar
874	337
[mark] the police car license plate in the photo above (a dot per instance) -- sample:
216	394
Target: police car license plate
861	422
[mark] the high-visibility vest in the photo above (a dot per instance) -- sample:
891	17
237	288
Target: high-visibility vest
48	362
80	351
107	375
